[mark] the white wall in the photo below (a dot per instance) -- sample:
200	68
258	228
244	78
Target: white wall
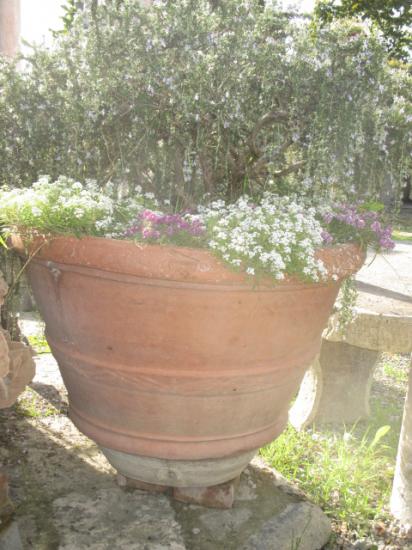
38	17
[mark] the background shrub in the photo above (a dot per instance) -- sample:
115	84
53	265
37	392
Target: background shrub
188	98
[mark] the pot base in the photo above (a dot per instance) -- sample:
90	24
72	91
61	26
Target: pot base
218	496
178	473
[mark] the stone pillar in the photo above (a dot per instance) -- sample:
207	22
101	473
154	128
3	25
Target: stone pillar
401	500
337	386
347	379
9	27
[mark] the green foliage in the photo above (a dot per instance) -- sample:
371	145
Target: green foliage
31	405
60	207
68	207
348	470
396	372
392	17
402	236
347	302
39	343
347	475
70	8
225	98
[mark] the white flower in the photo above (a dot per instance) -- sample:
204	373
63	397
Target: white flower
280	234
36	211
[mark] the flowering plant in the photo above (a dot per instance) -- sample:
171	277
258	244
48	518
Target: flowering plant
231	99
275	236
357	222
66	206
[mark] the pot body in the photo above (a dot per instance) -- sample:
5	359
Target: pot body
167	354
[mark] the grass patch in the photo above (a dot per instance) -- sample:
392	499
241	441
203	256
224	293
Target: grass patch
395	371
348	476
39	343
348	470
31	405
402	236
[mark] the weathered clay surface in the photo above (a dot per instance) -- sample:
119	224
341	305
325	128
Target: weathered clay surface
9	27
219	496
17	359
67	498
207	344
16	363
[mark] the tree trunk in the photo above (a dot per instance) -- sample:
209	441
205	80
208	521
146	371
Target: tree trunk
401	500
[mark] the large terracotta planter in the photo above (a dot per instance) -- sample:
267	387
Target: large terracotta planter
177	367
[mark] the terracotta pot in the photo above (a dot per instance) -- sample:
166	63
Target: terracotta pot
170	356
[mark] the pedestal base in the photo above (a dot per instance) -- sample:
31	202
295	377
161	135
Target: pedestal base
337	386
178	473
218	496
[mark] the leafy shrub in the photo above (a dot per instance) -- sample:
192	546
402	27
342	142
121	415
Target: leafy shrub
192	97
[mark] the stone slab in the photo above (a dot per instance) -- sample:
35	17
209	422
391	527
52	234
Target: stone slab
67	498
299	526
383	314
10	538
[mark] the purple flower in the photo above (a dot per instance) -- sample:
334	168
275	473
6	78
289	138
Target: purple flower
376	226
327	237
147	233
150	216
355	223
182	224
328	217
386	242
154	226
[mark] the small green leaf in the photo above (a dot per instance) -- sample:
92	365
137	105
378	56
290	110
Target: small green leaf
383	430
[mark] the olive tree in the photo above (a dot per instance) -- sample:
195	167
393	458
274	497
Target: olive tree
191	97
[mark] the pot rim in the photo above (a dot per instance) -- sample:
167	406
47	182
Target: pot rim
171	262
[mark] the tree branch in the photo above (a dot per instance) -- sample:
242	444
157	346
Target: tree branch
289	169
272	117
